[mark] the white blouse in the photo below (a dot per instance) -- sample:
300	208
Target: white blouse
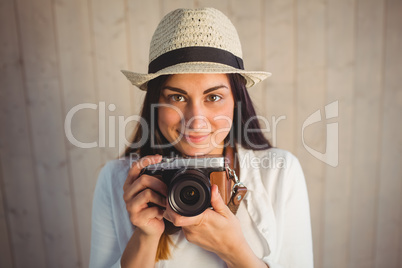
274	215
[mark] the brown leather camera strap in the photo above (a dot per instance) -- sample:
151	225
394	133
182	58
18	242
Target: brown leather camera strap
239	190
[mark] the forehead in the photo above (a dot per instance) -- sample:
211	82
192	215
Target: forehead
197	81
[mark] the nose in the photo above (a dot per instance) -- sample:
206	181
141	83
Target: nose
195	117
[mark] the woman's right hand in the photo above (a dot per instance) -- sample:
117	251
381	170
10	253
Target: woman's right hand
139	191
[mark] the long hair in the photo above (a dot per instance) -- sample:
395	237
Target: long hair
149	136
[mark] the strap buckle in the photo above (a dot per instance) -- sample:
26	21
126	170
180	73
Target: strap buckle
237	183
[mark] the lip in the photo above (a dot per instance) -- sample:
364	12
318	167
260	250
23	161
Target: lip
195	138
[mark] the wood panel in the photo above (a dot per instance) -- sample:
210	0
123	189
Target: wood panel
6	257
143	18
311	83
73	35
222	5
367	131
388	242
340	87
19	181
44	108
279	91
247	18
109	30
167	6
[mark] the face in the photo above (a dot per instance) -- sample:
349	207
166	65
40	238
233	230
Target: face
196	112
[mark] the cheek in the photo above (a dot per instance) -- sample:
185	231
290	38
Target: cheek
224	117
168	118
222	124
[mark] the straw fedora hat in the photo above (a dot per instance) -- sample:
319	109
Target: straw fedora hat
195	41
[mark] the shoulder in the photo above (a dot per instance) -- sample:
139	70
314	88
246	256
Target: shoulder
113	174
277	156
274	169
269	160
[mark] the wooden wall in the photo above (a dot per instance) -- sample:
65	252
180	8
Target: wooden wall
57	54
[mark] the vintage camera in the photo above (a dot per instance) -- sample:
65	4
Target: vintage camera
189	182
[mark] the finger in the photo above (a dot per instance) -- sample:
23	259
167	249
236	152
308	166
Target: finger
146	161
167	213
217	201
146	215
179	220
136	168
141	201
142	183
172	217
151	213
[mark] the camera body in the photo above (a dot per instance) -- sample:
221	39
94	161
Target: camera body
189	182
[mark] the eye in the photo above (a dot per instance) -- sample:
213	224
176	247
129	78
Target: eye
213	98
177	98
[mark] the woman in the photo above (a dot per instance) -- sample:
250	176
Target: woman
197	104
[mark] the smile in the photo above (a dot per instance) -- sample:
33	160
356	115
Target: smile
195	138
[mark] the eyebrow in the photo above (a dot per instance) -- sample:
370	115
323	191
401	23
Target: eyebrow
185	92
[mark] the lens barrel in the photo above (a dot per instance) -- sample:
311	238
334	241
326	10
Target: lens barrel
189	192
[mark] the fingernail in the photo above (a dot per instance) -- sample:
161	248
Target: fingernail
165	215
217	189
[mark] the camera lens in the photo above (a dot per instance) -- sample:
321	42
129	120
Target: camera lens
189	192
189	195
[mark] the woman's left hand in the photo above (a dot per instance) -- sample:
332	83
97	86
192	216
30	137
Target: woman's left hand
217	230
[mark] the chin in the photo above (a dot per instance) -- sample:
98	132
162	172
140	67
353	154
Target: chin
191	151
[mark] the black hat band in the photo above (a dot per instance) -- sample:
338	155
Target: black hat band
195	54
